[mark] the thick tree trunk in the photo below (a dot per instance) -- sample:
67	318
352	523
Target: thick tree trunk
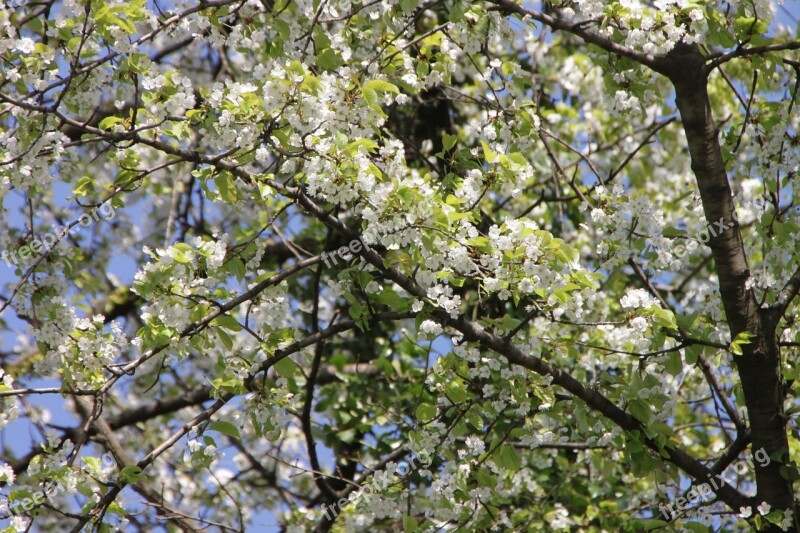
759	366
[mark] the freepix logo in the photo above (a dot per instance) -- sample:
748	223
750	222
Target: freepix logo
705	491
48	240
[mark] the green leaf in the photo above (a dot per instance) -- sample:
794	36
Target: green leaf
742	338
283	28
108	123
392	299
227	190
685	322
652	525
228	322
426	412
744	26
507	68
669	231
352	149
225	427
725	38
94	463
473	416
674	364
488	153
371	97
116	508
381	85
696	527
329	59
183	253
692	353
664	318
517	161
423	68
237	268
639	409
226	339
286	367
131	473
84	187
232	385
455	391
507	457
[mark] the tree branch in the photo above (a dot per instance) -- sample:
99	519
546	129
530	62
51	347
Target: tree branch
759	366
719	58
595	400
578	29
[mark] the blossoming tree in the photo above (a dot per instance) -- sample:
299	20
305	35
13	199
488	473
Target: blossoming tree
396	264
